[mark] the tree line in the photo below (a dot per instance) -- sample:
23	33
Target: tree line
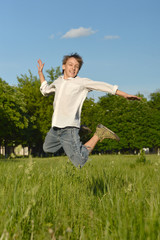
25	117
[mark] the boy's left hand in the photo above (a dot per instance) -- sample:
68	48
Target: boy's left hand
127	96
133	97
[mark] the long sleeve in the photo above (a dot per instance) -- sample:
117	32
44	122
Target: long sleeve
100	86
47	89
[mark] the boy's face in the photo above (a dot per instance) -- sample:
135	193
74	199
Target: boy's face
71	68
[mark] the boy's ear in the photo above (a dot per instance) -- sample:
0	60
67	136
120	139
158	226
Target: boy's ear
63	66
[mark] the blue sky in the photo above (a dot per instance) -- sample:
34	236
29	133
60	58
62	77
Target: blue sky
119	40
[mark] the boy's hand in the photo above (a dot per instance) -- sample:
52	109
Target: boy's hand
127	96
40	66
133	97
40	69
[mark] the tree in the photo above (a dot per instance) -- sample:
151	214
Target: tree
155	100
154	104
13	118
88	112
131	120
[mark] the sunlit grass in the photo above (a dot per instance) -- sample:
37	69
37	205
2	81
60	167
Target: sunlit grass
111	197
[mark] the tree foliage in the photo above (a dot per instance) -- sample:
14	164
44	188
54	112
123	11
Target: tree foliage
13	112
135	122
155	100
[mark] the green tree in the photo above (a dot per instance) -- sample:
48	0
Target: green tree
88	112
155	100
131	120
154	104
13	118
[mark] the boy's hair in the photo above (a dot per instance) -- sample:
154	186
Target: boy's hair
74	55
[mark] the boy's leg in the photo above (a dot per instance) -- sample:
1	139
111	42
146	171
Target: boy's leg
92	143
70	140
52	143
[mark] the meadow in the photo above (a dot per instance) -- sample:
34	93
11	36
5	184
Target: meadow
113	197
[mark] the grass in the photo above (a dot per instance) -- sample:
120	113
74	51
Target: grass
113	197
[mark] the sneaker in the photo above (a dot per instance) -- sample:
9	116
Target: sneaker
103	132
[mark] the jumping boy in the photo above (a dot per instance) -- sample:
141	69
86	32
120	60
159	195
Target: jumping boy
70	92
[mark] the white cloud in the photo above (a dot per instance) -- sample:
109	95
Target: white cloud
51	36
79	32
110	37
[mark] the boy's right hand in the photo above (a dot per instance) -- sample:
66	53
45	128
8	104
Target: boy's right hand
40	66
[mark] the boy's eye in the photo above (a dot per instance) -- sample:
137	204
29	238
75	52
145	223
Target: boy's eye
76	66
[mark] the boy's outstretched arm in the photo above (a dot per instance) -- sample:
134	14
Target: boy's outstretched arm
127	96
40	71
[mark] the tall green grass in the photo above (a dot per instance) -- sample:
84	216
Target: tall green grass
112	197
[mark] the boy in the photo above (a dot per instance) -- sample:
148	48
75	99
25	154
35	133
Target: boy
70	93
